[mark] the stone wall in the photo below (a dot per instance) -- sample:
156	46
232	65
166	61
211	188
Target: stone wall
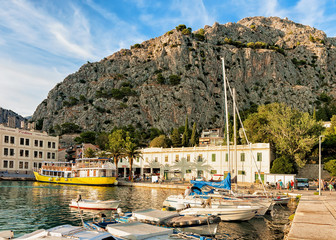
311	171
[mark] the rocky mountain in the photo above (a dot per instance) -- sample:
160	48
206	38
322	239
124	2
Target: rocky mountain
161	81
16	119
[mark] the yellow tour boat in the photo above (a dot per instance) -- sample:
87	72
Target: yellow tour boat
86	171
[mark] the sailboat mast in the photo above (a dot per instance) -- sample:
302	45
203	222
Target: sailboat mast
235	136
226	117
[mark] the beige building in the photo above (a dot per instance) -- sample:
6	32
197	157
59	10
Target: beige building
203	162
22	150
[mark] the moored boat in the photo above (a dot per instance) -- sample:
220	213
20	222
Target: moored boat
67	232
226	213
95	204
86	171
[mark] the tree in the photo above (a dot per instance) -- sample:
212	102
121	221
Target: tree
102	140
175	138
293	133
185	136
89	153
160	141
193	138
331	167
282	165
116	146
131	152
86	137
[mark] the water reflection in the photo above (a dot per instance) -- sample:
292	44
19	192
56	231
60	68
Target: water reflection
28	206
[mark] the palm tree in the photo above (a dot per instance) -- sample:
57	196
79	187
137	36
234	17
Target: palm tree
131	152
116	146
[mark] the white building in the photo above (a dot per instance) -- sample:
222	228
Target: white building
22	150
208	162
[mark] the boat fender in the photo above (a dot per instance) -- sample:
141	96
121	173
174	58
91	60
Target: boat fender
50	179
115	183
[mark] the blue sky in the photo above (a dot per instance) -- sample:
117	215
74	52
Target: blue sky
43	41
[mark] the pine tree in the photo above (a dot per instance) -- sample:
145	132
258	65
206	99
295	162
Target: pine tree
193	140
175	137
185	137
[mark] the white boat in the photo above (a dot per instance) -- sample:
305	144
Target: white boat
179	202
66	232
95	204
137	230
226	213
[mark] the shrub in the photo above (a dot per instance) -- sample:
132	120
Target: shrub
330	166
137	45
250	45
253	27
160	79
186	31
174	80
170	32
180	27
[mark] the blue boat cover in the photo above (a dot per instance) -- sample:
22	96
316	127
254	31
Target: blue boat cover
225	184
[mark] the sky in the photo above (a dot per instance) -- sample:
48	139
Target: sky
43	41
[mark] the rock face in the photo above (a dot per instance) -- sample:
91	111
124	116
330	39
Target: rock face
5	115
161	81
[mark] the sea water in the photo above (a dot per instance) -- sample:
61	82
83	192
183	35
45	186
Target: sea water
26	206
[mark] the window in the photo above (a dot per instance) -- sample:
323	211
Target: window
53	156
156	159
26	165
40	154
21	165
5	164
48	155
21	152
137	159
188	171
6	151
11	164
241	172
35	154
27	141
36	143
40	165
6	139
259	156
53	145
188	158
35	164
200	158
12	140
177	158
213	157
242	157
26	153
49	144
213	171
226	157
41	143
11	152
21	141
166	158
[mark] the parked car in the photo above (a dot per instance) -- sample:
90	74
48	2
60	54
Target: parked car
302	183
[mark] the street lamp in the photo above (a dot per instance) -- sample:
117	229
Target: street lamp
320	173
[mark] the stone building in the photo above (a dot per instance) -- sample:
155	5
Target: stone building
202	162
22	150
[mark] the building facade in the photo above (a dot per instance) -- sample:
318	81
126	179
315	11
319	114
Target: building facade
209	162
22	150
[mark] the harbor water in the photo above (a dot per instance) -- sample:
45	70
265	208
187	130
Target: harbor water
27	206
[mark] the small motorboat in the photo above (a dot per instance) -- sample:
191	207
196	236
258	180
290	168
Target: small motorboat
67	232
94	204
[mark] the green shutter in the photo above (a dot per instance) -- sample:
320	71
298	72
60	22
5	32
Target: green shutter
214	157
259	156
242	157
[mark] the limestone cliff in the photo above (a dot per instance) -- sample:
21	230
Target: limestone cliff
161	81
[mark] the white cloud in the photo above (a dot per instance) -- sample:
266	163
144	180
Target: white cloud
24	86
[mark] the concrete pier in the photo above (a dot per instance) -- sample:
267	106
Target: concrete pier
315	217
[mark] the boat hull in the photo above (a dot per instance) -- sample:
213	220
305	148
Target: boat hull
95	205
226	214
95	181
